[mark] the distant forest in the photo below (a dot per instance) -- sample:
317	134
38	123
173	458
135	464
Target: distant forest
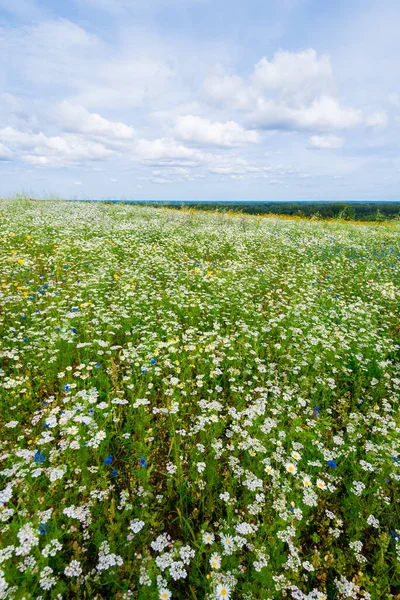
359	211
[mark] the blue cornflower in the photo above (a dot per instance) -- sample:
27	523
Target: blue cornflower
108	460
153	361
74	330
396	460
39	457
144	370
332	464
97	366
316	410
23	318
66	387
43	528
143	461
74	308
114	472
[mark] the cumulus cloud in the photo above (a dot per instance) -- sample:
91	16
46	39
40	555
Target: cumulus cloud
295	75
323	113
69	149
76	119
132	98
169	151
199	130
39	149
326	142
294	90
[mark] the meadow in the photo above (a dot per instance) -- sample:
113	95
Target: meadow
197	405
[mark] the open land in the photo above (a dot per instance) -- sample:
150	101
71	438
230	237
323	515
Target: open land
197	405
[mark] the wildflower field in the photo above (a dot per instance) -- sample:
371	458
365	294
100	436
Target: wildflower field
197	405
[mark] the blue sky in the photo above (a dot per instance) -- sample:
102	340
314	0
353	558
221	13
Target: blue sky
200	99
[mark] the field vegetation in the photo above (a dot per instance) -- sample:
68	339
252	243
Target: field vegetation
197	405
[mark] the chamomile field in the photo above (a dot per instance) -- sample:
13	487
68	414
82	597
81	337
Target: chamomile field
197	405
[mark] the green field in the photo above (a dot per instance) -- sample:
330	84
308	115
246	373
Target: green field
197	405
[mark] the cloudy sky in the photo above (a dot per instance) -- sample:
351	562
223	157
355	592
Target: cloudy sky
200	99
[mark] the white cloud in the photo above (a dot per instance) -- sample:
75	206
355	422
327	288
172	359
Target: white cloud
227	89
300	75
169	151
294	78
323	113
181	171
378	119
199	130
161	180
5	153
326	142
233	165
77	119
90	71
39	149
291	91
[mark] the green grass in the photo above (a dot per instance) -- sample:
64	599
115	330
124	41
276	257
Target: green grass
218	365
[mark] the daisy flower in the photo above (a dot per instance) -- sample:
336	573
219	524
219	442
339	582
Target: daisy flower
223	591
208	538
215	561
291	468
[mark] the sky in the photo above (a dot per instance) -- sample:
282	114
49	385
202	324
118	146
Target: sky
200	99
